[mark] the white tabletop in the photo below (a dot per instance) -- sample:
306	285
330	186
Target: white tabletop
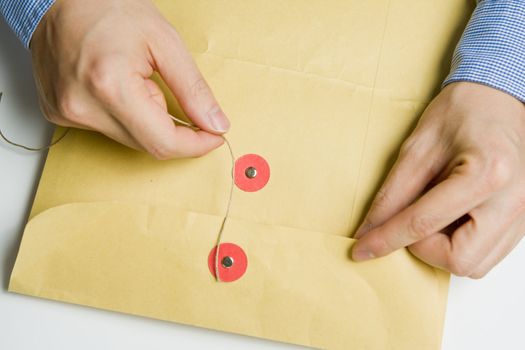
481	314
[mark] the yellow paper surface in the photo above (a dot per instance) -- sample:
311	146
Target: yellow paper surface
325	91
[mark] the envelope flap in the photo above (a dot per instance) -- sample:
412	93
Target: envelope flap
300	286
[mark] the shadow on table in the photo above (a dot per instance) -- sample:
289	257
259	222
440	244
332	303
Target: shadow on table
18	86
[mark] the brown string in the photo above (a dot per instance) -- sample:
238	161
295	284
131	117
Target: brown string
226	214
27	148
221	229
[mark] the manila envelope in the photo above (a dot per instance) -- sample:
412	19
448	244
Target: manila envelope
325	92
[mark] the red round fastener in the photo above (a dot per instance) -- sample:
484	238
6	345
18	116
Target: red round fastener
233	262
252	172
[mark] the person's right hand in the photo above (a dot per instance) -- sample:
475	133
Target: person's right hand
93	61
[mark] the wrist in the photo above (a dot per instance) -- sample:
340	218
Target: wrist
479	96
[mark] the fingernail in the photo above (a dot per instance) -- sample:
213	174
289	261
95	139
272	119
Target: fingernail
218	120
362	255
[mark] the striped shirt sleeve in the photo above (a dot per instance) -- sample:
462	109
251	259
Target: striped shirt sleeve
23	16
492	48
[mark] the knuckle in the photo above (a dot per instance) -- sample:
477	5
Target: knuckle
494	170
52	118
407	146
412	147
164	150
199	87
365	227
478	274
461	266
386	245
520	200
382	199
56	119
498	173
103	78
70	108
421	226
167	38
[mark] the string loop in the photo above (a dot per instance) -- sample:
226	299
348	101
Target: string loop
27	148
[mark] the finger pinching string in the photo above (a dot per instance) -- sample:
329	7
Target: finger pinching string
27	148
226	214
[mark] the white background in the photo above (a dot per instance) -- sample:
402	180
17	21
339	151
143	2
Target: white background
482	314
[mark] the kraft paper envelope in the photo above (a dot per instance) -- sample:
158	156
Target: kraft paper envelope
325	91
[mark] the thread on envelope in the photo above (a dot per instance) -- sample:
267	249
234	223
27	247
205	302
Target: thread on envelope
28	148
177	120
228	205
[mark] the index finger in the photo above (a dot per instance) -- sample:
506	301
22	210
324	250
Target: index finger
181	74
439	207
151	125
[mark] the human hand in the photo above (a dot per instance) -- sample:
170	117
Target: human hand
456	194
93	61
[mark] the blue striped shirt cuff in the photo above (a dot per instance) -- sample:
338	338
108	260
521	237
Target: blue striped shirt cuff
23	16
492	48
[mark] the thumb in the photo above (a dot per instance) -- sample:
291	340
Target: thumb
179	71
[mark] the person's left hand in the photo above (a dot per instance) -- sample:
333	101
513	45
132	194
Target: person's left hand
456	194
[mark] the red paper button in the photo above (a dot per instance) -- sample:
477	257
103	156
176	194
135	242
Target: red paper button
251	173
232	262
